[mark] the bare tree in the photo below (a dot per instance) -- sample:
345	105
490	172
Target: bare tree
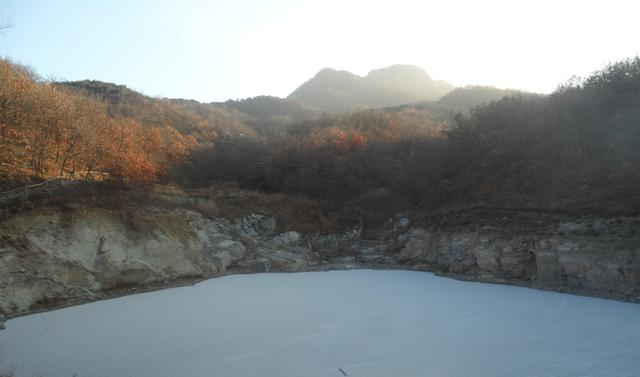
4	26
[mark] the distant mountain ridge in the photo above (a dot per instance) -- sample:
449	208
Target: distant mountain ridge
206	122
268	116
465	98
340	91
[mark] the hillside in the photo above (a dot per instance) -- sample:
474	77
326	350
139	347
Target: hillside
468	97
342	91
207	122
575	148
269	115
520	150
203	121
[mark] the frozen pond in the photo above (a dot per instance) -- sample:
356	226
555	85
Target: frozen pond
368	323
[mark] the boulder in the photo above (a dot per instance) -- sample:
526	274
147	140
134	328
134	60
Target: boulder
487	256
517	262
286	238
223	253
415	246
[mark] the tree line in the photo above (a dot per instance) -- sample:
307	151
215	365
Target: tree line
579	143
47	130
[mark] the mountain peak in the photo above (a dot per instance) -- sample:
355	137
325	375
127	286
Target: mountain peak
333	90
333	74
400	71
326	72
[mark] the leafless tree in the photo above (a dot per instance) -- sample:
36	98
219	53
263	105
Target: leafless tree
4	26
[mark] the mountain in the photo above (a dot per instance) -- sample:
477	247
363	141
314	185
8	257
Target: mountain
411	80
339	91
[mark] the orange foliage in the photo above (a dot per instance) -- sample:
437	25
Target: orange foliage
49	131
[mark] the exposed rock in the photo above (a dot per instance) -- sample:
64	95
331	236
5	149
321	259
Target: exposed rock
224	253
255	224
286	238
412	250
52	257
78	253
547	269
268	224
607	266
262	266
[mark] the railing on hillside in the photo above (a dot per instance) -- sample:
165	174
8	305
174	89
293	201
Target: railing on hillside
28	189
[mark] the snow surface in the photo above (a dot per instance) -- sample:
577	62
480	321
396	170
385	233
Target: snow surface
368	323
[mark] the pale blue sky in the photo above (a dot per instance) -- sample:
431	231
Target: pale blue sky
215	50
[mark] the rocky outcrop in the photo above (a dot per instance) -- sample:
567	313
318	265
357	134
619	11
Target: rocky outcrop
53	257
597	257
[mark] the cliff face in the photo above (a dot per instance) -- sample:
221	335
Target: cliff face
54	257
570	259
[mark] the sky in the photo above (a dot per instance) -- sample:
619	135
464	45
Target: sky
232	49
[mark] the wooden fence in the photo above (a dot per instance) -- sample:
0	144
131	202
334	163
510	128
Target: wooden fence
28	189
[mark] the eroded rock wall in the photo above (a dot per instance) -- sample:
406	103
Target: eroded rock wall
51	257
598	257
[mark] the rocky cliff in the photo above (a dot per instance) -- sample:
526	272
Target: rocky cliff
593	256
51	257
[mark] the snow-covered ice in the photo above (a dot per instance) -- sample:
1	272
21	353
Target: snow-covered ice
368	323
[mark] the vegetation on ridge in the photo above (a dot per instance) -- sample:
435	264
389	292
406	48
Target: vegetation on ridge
579	144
